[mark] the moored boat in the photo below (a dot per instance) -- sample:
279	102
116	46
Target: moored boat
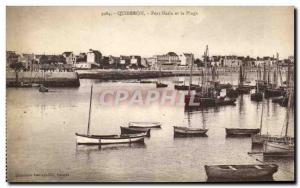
89	139
144	124
136	130
184	87
257	96
285	146
188	131
274	93
43	89
82	139
241	131
243	89
160	85
147	82
240	172
232	93
222	101
279	149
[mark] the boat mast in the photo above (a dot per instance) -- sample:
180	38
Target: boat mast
261	118
289	103
258	78
269	72
191	74
90	109
264	73
205	68
241	76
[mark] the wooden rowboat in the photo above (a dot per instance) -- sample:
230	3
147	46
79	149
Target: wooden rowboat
187	131
136	130
240	172
144	125
82	139
241	132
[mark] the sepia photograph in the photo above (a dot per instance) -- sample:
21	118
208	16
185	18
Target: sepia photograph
150	94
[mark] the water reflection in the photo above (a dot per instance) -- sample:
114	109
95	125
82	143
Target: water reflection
83	149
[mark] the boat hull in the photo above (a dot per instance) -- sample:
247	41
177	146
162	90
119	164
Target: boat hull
92	140
240	172
274	93
184	87
278	149
232	93
161	85
243	90
256	97
144	125
185	131
135	130
241	132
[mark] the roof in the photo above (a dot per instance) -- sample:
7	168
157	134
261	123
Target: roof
67	53
171	54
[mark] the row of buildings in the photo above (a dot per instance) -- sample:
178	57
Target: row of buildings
68	61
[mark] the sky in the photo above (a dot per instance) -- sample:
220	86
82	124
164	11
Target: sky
254	31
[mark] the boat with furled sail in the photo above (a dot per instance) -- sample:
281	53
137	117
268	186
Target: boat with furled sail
89	139
273	90
285	146
252	172
159	84
181	131
258	139
42	87
242	88
257	95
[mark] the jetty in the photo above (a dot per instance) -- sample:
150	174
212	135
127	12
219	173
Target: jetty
51	79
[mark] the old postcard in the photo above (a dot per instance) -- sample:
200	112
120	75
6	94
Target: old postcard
150	94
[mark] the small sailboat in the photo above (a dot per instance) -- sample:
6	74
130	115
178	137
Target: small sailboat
284	146
183	86
273	90
181	131
159	84
258	139
257	96
252	172
88	139
177	79
242	89
42	87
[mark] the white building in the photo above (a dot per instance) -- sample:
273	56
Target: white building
94	57
70	58
134	61
83	65
185	59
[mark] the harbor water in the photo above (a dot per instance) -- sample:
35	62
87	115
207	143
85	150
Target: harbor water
41	143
